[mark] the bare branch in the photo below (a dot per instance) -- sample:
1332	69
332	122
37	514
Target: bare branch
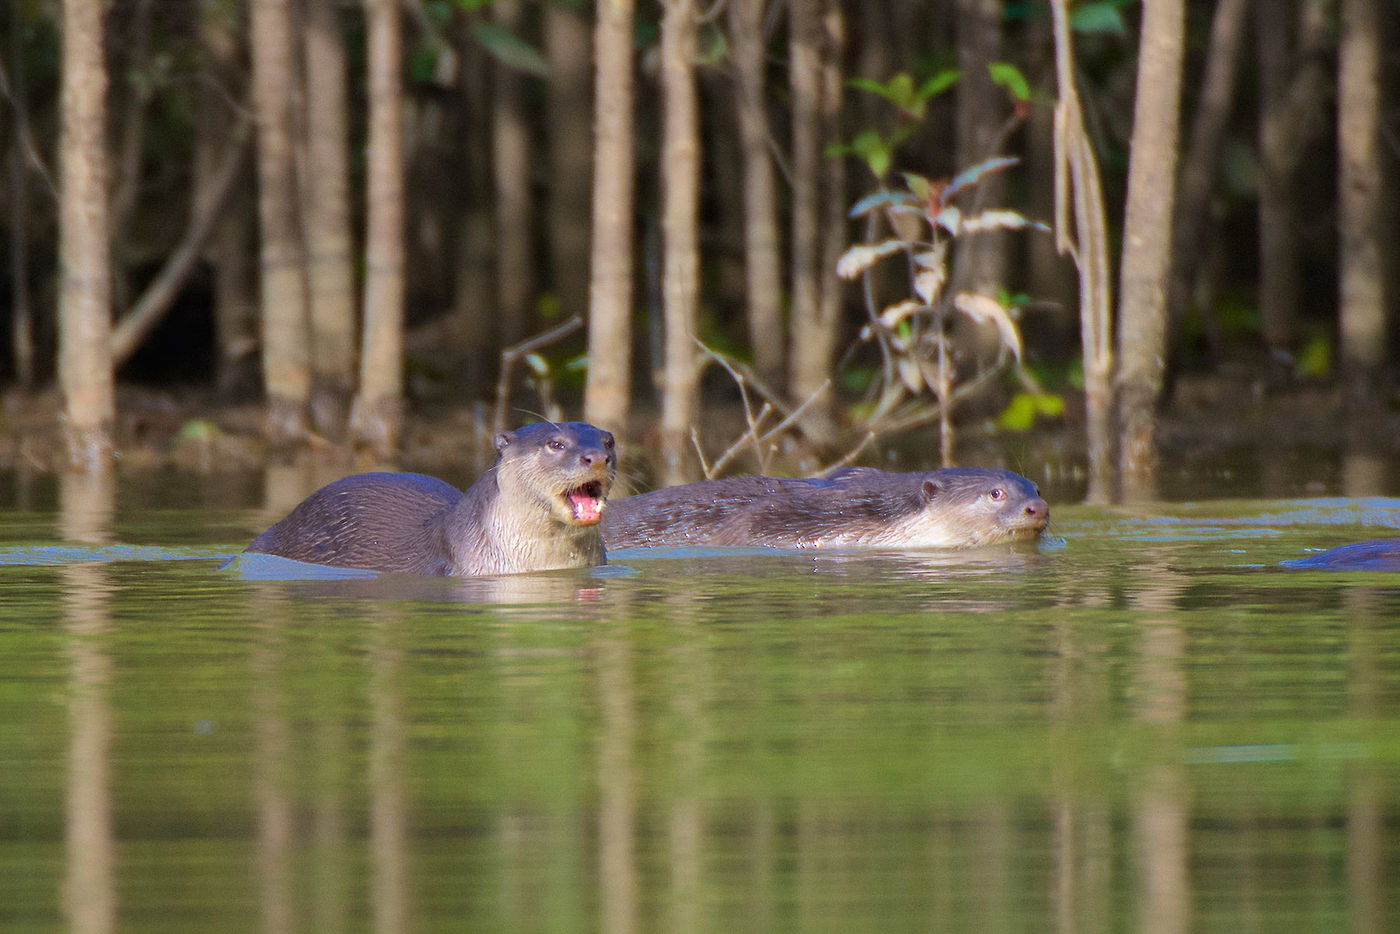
128	333
511	354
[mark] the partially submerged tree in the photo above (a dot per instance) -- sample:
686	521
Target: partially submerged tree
680	226
608	393
285	320
1147	239
326	210
811	337
378	410
85	289
1081	232
1363	314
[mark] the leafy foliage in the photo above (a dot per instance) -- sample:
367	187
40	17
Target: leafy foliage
919	220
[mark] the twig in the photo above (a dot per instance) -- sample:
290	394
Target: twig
788	421
26	135
510	355
128	333
700	452
733	449
742	383
850	455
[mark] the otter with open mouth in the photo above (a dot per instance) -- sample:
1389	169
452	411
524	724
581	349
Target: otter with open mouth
538	508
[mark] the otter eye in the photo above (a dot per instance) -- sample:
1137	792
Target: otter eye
608	442
556	444
997	493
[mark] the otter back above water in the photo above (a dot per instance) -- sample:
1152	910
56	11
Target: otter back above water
1382	554
539	507
855	507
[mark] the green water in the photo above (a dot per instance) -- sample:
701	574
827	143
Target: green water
1147	727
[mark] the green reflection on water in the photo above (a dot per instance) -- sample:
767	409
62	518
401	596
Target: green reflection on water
1152	727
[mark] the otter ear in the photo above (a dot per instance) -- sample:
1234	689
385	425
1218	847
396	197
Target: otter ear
504	440
930	489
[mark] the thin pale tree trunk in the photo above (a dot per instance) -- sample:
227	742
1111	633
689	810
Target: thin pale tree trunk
569	47
514	224
1081	232
1200	167
1142	307
608	394
809	365
680	229
285	321
1363	317
378	411
762	238
326	208
85	289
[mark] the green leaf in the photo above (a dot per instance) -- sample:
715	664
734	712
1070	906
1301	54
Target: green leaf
917	184
1024	408
869	85
537	364
901	90
1019	414
1009	76
879	163
898	90
1315	359
939	83
509	49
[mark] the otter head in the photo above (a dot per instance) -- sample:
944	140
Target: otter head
566	468
989	505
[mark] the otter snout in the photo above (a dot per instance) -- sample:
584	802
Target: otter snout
1037	511
593	459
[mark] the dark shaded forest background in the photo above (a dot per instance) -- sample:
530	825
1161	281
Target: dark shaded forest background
668	212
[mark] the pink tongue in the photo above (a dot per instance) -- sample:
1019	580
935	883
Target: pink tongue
586	509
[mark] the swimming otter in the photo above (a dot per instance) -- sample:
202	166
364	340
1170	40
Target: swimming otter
853	508
1381	554
538	508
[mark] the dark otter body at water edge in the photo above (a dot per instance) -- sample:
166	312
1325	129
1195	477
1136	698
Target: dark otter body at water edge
854	508
1382	554
538	508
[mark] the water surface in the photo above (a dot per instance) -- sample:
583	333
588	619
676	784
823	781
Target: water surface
1145	725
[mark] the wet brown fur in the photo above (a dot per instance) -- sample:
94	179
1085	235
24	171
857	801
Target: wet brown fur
856	507
514	519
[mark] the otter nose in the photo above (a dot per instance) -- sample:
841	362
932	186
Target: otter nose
1037	509
593	458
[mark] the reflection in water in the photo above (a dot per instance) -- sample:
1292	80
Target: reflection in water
272	751
90	891
1366	844
388	827
1129	733
1162	819
687	694
617	783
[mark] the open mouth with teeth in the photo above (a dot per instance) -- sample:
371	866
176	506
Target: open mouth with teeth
586	502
